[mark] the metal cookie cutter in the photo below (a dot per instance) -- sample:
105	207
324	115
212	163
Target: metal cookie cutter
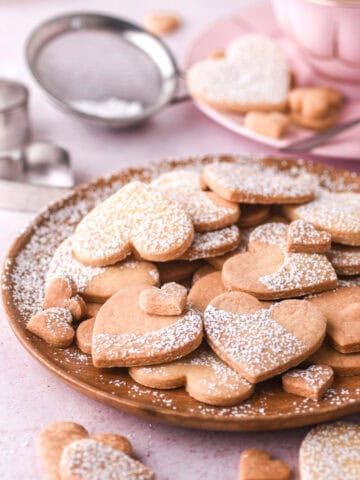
103	69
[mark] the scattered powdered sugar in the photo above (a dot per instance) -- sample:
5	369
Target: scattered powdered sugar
304	232
112	107
255	341
88	459
251	180
211	244
331	452
315	376
165	340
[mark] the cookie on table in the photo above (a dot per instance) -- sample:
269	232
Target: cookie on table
331	451
147	339
237	82
259	341
312	382
254	183
344	259
302	237
213	244
341	307
337	213
268	271
97	284
205	377
253	215
343	364
137	218
53	326
170	299
159	23
256	464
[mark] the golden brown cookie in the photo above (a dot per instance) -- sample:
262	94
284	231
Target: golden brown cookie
256	464
343	364
205	289
317	124
270	124
310	383
58	290
331	452
213	244
268	271
218	262
335	212
314	102
341	307
345	260
177	270
302	237
205	377
93	308
253	183
202	271
53	326
179	177
159	23
97	284
83	336
147	339
170	299
136	218
252	215
261	342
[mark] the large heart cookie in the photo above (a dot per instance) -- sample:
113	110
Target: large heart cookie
204	375
253	75
124	335
253	183
269	271
336	213
136	218
331	452
99	283
341	308
259	342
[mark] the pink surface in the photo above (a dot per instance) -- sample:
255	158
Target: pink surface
261	19
29	396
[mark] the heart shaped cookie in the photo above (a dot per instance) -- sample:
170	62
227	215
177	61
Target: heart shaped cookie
170	299
53	326
260	342
335	212
83	335
269	271
89	459
97	284
331	452
345	260
253	75
302	237
60	292
341	307
207	210
205	376
146	339
256	464
136	218
213	244
204	290
310	383
177	270
343	364
250	182
202	272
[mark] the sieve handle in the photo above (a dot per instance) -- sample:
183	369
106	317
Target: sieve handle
180	98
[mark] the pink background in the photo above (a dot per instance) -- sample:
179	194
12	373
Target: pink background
29	396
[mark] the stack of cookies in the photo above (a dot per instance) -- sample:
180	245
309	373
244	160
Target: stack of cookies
214	279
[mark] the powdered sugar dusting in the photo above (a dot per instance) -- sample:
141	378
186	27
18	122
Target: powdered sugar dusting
315	376
301	232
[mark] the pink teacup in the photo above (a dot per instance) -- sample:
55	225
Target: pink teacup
327	33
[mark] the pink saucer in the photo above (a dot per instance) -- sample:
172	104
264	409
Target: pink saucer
261	19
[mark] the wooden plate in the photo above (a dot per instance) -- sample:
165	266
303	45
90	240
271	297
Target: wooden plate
22	286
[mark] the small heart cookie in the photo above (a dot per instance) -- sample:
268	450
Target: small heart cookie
341	307
213	244
170	299
254	75
137	218
310	383
302	237
83	335
97	284
204	290
252	215
53	326
205	376
147	339
207	210
51	442
344	365
260	342
268	271
331	452
89	459
345	260
177	270
256	464
335	212
60	292
270	124
254	183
